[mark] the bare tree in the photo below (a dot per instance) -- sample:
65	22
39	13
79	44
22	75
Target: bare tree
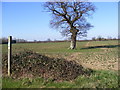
48	40
70	17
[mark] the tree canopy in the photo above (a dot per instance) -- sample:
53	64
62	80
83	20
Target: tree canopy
68	15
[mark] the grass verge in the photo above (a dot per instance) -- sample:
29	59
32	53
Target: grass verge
99	79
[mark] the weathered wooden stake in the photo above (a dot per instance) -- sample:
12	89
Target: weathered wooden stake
9	54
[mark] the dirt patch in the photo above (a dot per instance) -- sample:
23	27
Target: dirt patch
73	56
31	64
101	66
87	44
105	60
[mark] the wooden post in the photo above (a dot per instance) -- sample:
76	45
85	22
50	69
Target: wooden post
9	54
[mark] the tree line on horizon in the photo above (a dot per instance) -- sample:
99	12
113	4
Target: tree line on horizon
4	40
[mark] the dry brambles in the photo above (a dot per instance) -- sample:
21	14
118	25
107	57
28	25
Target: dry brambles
31	64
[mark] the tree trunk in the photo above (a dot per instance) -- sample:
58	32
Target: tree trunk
73	41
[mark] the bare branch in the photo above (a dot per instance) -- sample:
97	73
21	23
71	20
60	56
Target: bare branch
67	15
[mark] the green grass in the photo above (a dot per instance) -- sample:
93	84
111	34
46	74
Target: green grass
59	47
99	79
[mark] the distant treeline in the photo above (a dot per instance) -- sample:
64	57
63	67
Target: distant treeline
99	38
5	40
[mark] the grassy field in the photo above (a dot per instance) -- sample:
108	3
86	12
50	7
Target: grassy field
100	56
100	79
